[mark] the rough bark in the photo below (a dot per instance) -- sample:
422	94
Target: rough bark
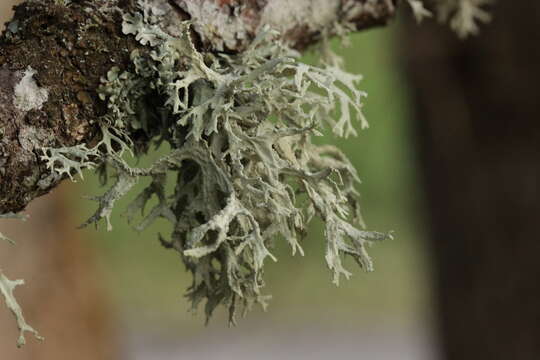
478	133
61	52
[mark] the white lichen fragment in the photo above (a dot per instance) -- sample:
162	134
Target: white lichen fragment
6	288
5	238
284	15
419	10
11	216
28	95
67	161
464	15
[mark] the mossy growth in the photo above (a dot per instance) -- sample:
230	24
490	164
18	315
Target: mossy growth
247	173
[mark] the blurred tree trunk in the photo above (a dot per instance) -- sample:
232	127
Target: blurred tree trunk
62	297
478	130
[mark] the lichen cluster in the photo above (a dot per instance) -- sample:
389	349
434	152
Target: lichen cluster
247	173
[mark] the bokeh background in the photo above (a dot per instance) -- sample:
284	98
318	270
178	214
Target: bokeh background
450	129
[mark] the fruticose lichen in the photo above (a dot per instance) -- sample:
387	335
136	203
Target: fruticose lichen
463	16
247	173
6	289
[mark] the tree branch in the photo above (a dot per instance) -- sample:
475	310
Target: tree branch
53	56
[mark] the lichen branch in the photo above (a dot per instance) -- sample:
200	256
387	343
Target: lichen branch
6	288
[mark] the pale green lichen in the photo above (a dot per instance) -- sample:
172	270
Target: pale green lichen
67	161
6	289
463	16
247	172
419	10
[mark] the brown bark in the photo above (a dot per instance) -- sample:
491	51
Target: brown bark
478	134
71	47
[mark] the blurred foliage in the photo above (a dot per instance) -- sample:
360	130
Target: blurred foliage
147	281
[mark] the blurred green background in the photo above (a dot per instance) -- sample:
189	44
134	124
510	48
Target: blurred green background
147	281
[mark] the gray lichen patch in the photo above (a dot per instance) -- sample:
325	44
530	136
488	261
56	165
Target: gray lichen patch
215	23
284	15
32	138
27	94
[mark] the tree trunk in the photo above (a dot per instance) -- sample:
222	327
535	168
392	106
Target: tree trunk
478	131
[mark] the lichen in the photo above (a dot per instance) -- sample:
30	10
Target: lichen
215	23
10	216
463	16
247	172
28	95
419	10
6	289
284	15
